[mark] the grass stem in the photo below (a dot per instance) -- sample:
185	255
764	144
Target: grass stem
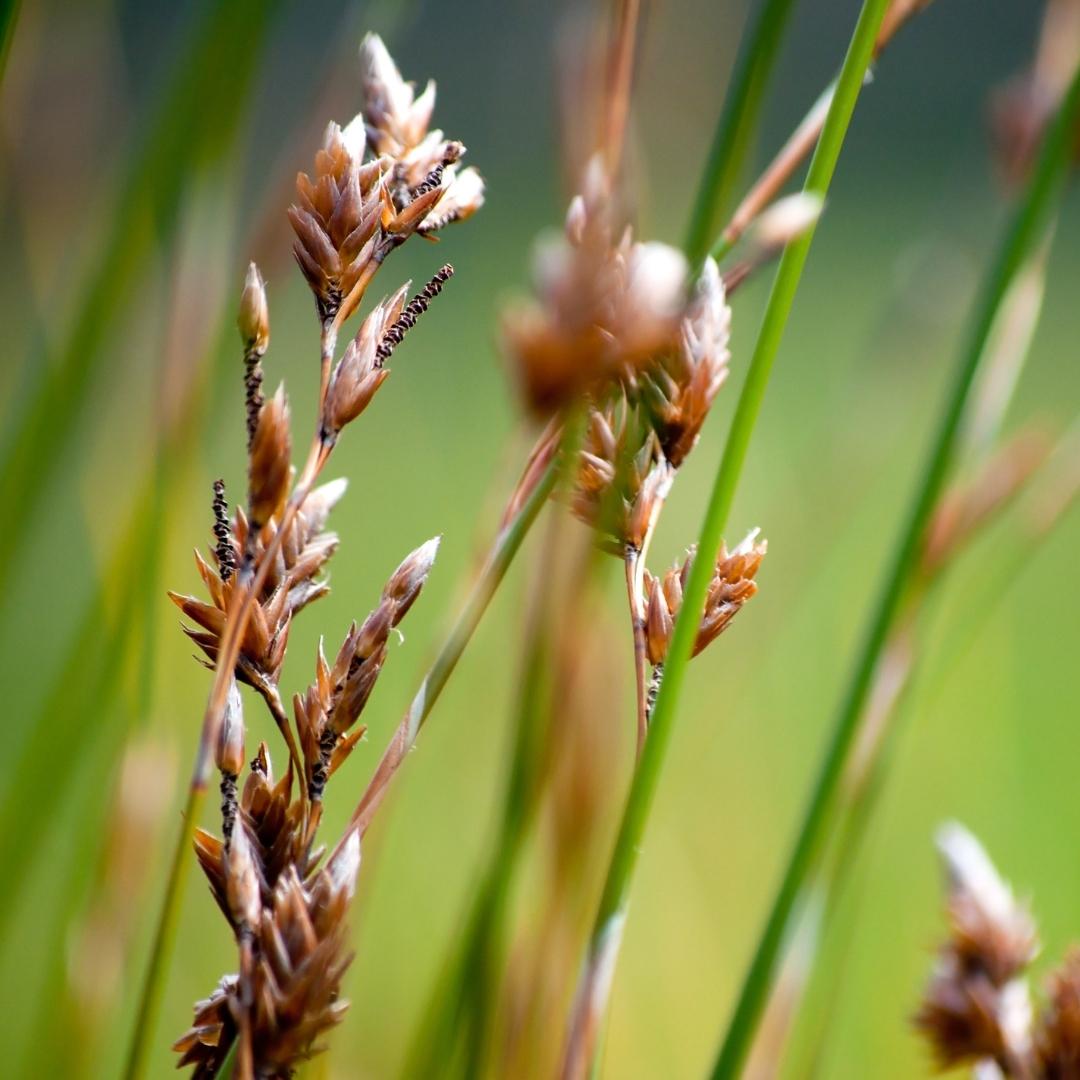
164	936
1025	231
604	941
731	142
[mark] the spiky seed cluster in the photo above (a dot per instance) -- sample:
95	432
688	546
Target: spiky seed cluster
605	304
294	945
1057	1037
620	469
292	583
679	390
732	585
398	123
352	213
361	371
270	462
333	703
285	906
977	1007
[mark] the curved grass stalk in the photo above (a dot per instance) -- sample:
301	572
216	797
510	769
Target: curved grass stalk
1024	232
731	141
604	942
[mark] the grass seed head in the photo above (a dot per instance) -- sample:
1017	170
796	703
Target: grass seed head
270	462
253	319
977	1005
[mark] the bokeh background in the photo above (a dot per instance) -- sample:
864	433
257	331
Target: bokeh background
146	153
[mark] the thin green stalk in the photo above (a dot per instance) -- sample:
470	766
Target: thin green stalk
9	16
463	1000
731	141
628	843
164	937
500	557
1024	231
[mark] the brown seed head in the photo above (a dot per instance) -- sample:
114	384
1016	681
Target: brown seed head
732	585
977	1005
337	216
679	390
621	476
360	373
658	622
270	462
229	752
462	196
1057	1040
253	319
397	120
242	881
604	304
408	579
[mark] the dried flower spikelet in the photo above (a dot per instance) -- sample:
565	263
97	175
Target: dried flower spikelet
621	474
294	988
1057	1039
396	119
605	305
336	218
991	931
680	389
463	195
270	462
229	752
977	1007
732	585
409	578
253	319
242	882
360	372
658	622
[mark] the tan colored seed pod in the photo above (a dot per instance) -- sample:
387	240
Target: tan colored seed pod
253	319
229	752
679	390
242	882
360	372
270	462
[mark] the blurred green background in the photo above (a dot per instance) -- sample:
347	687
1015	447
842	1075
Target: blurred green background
119	284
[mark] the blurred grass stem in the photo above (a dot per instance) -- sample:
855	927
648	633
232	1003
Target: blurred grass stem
731	141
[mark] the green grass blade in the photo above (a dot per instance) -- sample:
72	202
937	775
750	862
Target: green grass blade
731	141
9	16
194	126
1023	233
613	902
